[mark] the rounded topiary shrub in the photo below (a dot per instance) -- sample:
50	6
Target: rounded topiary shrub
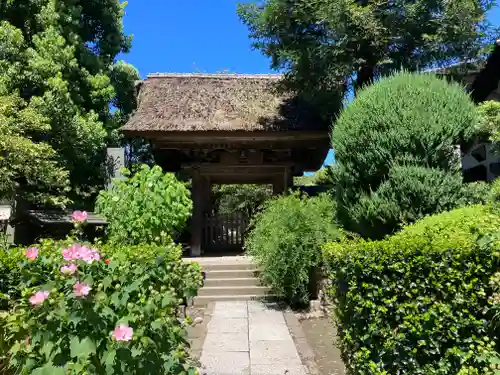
387	137
408	115
408	194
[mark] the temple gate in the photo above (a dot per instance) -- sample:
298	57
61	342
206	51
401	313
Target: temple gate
226	129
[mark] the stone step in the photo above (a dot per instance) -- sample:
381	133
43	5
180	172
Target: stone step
230	282
223	263
230	274
226	267
233	291
204	300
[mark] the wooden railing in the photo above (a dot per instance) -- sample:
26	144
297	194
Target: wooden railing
224	232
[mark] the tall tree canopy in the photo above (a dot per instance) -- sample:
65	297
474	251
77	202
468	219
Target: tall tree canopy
63	95
326	47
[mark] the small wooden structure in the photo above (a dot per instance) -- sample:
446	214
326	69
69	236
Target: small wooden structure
33	225
226	129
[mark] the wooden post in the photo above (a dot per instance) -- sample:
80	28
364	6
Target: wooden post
197	219
283	182
279	185
288	179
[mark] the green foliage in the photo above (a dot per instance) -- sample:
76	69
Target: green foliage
406	117
323	176
417	302
147	207
322	44
140	287
23	161
59	74
285	240
494	196
395	146
489	123
409	193
489	119
240	198
305	180
326	175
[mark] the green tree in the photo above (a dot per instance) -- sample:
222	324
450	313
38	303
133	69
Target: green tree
245	198
396	149
326	47
59	58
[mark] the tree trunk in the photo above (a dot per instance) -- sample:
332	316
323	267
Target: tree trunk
487	80
365	77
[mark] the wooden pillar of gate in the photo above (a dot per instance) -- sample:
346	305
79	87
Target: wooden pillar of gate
283	182
201	197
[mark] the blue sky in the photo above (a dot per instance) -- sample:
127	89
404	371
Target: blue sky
185	36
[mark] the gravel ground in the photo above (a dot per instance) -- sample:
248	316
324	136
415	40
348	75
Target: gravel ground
321	335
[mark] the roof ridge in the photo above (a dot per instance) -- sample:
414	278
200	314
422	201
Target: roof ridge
215	75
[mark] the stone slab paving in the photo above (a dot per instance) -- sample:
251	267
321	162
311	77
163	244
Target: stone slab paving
249	338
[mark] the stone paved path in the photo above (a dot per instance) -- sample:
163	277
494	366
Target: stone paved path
249	338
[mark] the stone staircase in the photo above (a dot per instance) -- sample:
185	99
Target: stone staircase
232	278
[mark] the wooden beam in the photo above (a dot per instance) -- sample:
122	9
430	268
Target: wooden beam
221	169
224	137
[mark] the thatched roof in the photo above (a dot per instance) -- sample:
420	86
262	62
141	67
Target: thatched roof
217	102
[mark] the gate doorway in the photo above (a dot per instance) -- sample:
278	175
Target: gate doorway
224	232
231	209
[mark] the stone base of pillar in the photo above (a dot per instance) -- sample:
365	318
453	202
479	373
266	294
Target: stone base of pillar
195	250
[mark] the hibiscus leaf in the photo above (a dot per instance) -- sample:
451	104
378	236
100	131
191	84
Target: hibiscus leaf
83	348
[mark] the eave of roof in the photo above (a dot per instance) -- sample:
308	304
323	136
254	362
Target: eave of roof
193	102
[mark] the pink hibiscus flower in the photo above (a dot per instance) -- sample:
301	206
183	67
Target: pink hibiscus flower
71	253
79	216
69	269
81	290
31	253
38	298
89	255
81	252
123	333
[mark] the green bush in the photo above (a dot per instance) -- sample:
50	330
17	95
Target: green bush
147	207
409	193
89	293
489	119
9	275
417	302
404	120
285	240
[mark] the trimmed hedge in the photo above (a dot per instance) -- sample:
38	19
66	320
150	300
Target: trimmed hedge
417	302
